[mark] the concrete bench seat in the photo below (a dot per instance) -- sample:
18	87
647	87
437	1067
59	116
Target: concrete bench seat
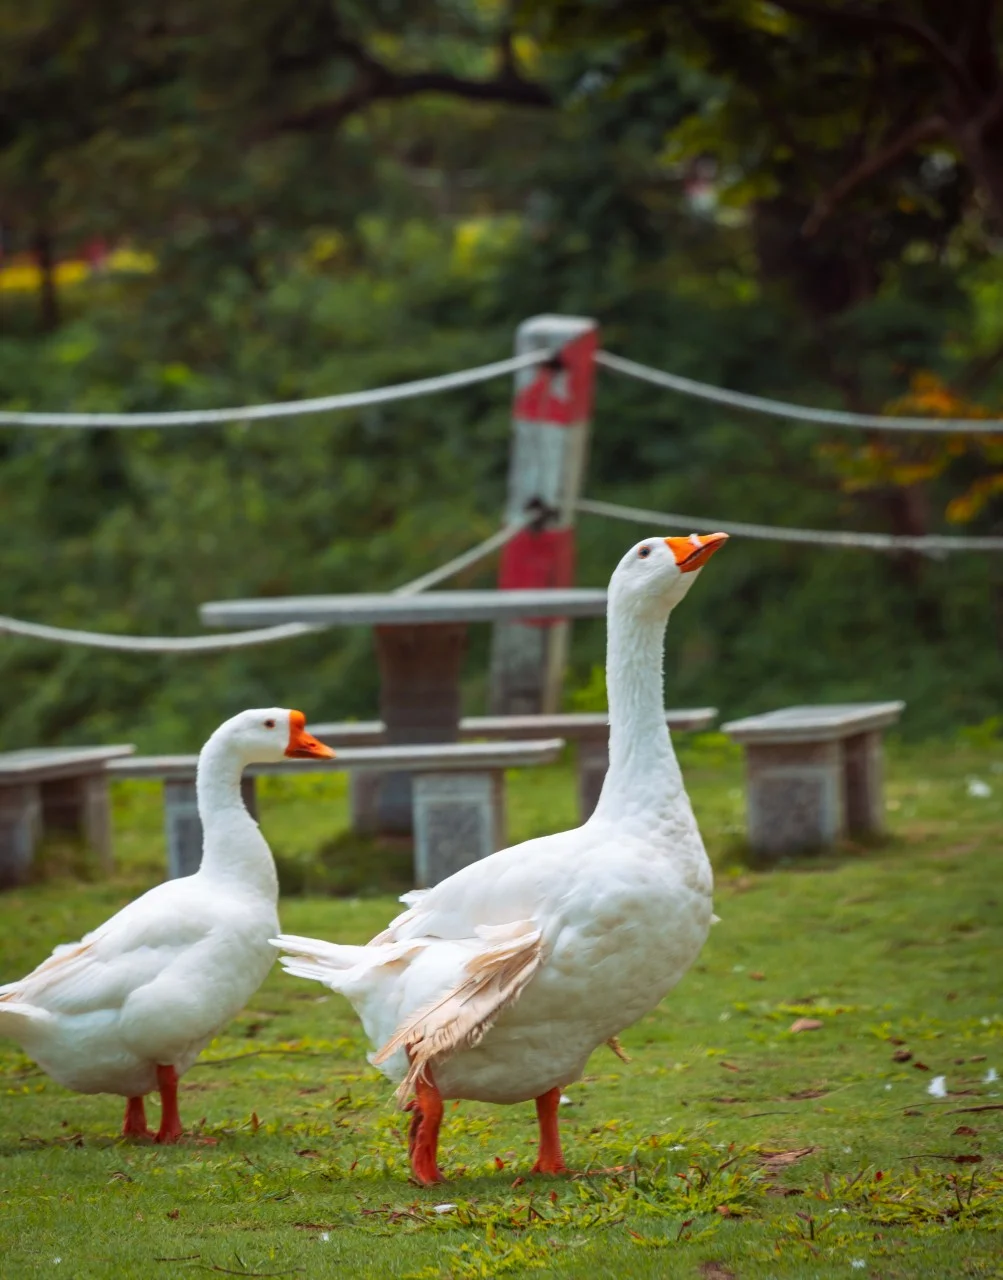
814	773
590	730
53	789
458	796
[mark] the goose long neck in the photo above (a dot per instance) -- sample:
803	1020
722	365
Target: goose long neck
643	773
232	844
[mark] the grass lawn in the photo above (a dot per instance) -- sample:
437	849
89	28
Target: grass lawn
730	1146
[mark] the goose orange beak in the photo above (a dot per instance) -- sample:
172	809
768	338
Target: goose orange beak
303	745
694	552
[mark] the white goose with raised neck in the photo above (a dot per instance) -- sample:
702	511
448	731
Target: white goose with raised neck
644	780
233	847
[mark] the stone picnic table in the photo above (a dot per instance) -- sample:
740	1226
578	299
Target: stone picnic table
420	640
814	773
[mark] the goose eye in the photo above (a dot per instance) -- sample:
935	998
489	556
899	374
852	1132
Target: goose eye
269	724
644	552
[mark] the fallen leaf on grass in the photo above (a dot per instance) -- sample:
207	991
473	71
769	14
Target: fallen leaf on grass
716	1271
309	1154
920	1066
614	1044
729	1066
756	976
901	1055
773	1160
801	1094
806	1024
965	1131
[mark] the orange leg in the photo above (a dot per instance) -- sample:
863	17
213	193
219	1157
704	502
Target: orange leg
415	1125
550	1159
170	1121
134	1125
423	1140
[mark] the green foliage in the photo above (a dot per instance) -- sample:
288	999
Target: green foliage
318	222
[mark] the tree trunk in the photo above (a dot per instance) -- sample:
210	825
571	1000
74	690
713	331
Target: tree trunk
48	295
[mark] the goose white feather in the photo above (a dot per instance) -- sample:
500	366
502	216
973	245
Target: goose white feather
499	982
153	985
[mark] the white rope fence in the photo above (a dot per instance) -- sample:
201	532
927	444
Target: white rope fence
244	639
930	544
794	412
286	408
484	373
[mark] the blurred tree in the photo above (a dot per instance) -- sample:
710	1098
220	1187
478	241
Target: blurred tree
338	196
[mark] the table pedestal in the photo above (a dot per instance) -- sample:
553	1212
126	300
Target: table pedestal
419	703
20	825
81	807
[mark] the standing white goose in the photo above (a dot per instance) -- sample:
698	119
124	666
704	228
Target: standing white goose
130	1007
498	983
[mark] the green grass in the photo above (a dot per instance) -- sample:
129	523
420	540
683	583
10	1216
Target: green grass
296	1161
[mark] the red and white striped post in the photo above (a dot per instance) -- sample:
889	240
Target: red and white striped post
551	415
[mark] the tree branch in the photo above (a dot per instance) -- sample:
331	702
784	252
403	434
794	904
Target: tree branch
916	31
377	83
876	162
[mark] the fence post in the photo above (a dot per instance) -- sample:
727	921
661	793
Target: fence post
551	415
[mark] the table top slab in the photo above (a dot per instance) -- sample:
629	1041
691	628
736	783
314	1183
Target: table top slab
574	725
387	609
42	764
431	758
814	723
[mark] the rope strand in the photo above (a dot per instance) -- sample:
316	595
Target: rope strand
930	544
283	409
243	639
794	412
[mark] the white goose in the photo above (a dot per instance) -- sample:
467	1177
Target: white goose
498	983
130	1007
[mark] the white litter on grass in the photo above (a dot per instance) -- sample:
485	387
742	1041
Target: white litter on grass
857	1263
565	1101
847	1150
444	1208
991	1076
937	1087
325	1235
723	1017
978	789
887	1086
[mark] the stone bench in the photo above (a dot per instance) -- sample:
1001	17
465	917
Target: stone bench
48	790
814	773
590	730
458	796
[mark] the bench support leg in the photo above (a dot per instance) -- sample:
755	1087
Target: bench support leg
363	800
458	819
419	702
80	807
20	827
795	796
863	763
183	826
593	765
